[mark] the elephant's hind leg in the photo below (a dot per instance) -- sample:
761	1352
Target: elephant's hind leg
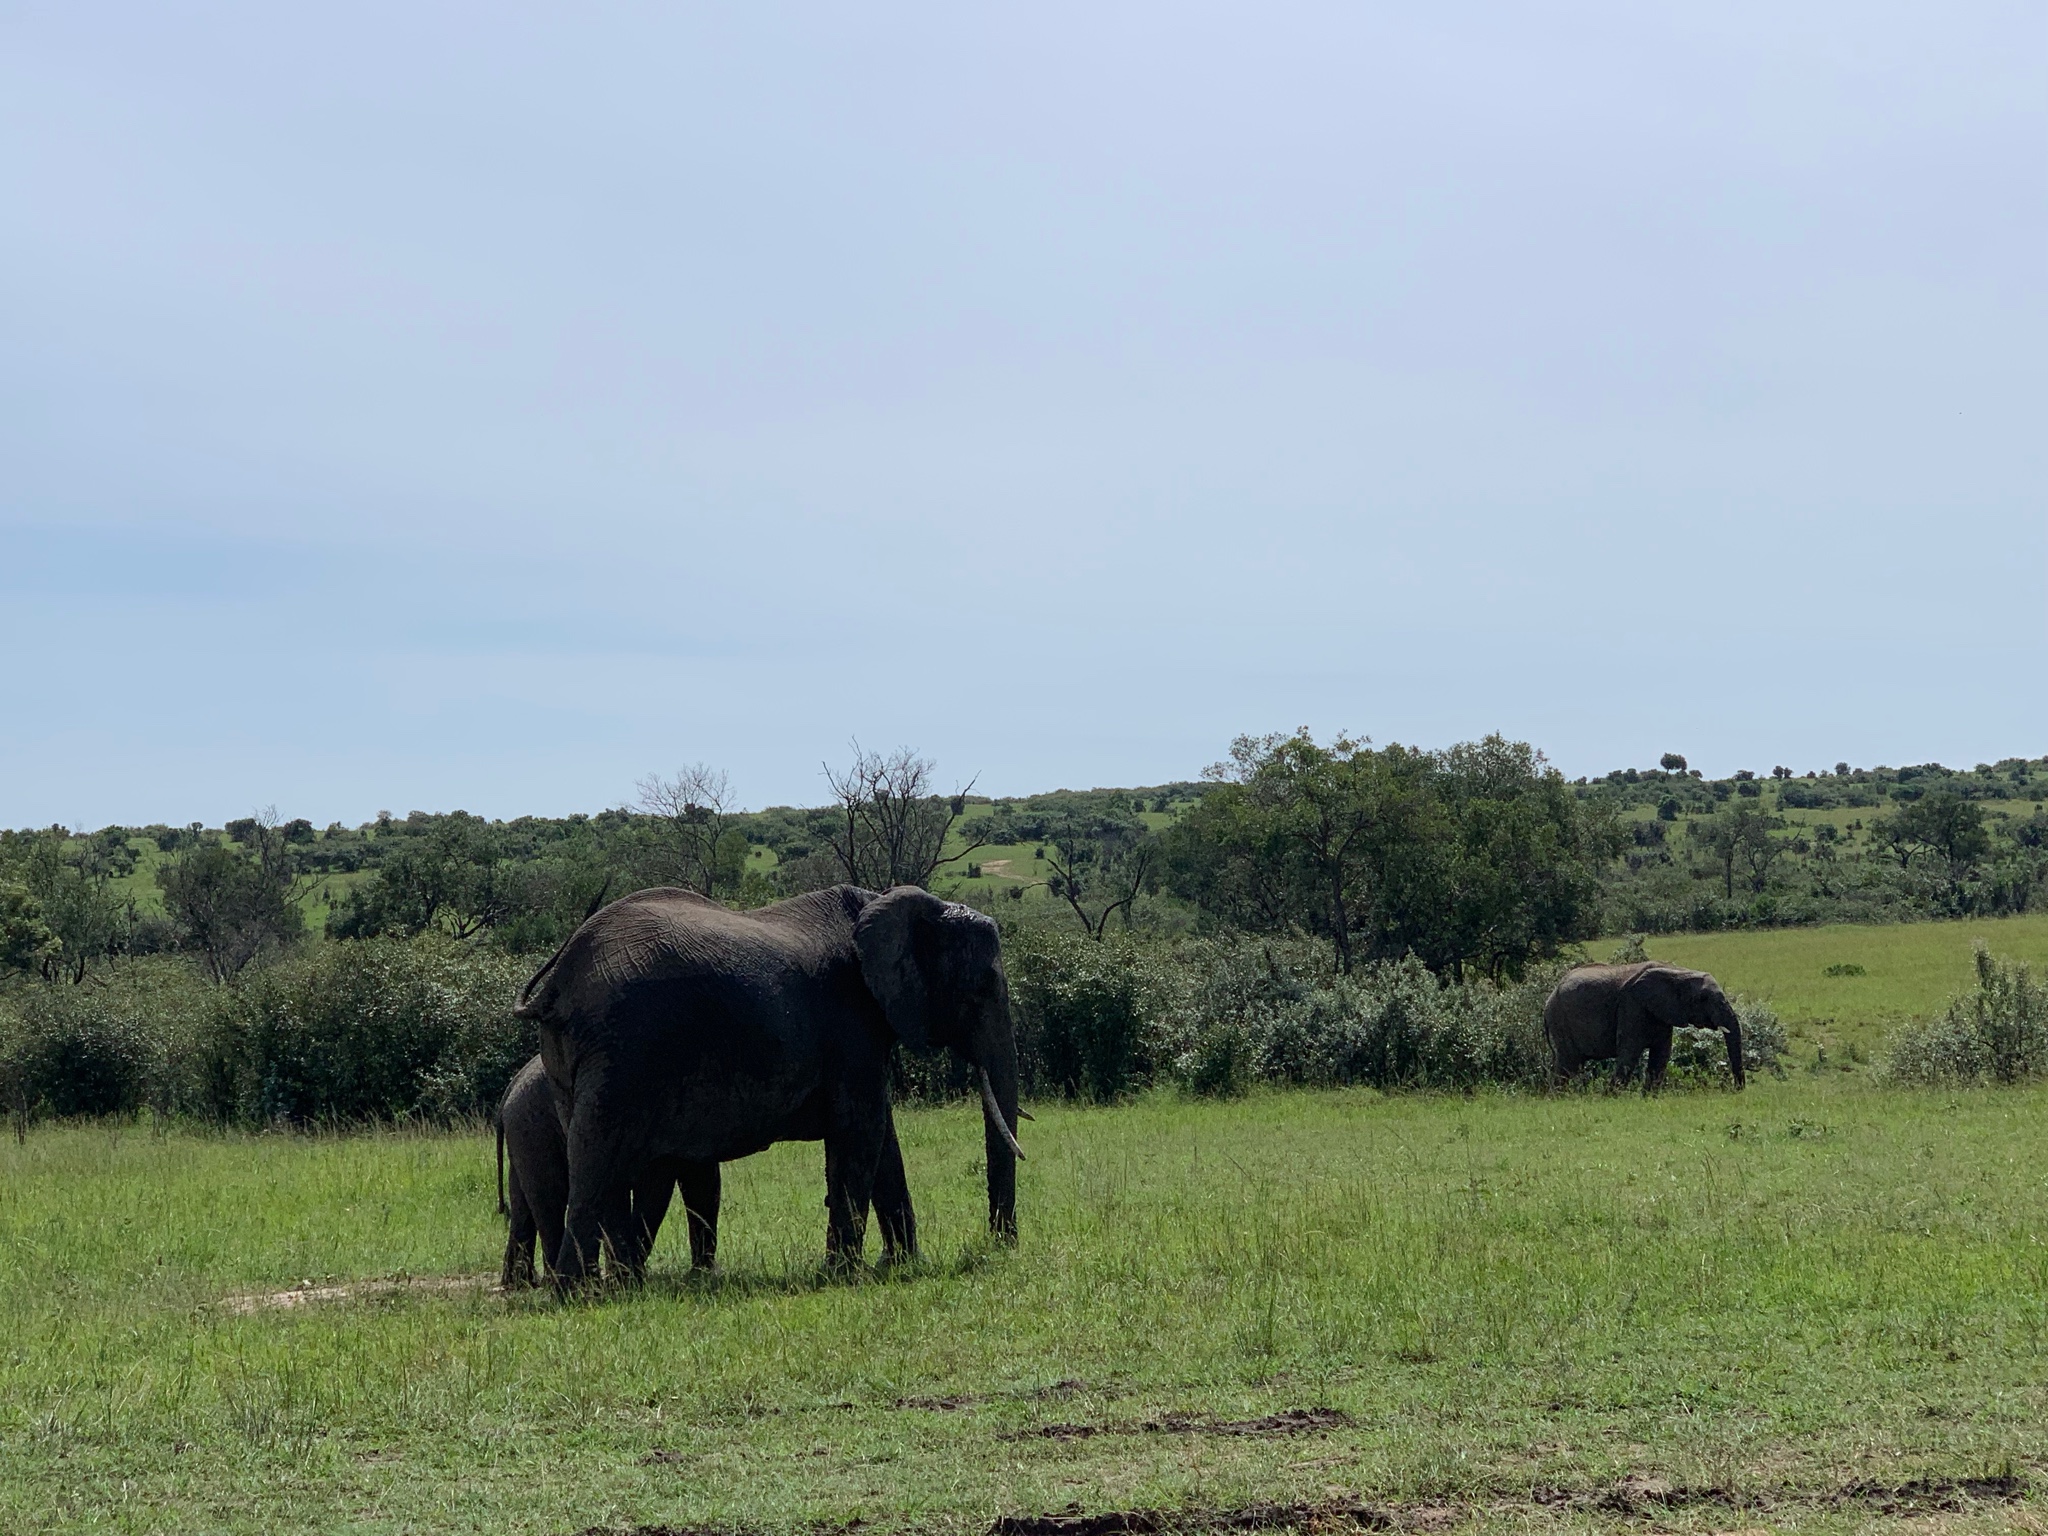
600	1205
518	1271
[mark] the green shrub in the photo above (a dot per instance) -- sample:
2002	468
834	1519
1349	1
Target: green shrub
1269	1013
1701	1055
1082	1008
73	1051
377	1029
1997	1033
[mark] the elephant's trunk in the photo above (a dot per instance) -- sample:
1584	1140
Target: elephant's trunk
999	1133
1734	1030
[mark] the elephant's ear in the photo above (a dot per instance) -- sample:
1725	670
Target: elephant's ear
890	936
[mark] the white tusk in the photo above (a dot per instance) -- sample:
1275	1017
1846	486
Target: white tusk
994	1111
1025	1114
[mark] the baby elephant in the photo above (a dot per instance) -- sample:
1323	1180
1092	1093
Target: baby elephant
535	1196
1600	1012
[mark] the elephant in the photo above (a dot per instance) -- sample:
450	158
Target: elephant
1620	1011
530	1130
672	1027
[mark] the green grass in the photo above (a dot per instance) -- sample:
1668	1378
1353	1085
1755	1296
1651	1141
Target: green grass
1776	1294
1909	971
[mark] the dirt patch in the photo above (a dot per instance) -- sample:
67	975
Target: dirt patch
1291	1421
1251	1517
1632	1496
1920	1495
1925	1495
306	1293
966	1400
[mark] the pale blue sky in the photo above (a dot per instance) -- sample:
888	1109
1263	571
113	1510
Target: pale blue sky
420	406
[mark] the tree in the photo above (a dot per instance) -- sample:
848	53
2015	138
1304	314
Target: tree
26	942
1297	834
232	901
1479	855
889	828
451	876
696	845
69	878
1943	826
1100	863
1520	863
1671	762
1739	837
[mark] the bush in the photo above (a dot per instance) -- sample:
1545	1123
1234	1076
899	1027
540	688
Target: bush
1997	1033
379	1029
75	1052
1701	1055
1258	1014
1082	1008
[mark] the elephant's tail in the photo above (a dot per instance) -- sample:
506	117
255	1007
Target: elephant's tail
530	1000
503	1209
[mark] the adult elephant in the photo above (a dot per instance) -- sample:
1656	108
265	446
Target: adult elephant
1600	1012
535	1195
674	1028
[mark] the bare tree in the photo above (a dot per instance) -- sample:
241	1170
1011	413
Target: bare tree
693	810
891	826
1103	862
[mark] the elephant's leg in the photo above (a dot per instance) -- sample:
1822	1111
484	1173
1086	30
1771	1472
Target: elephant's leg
651	1192
892	1201
600	1201
1630	1039
851	1155
518	1270
1660	1059
548	1220
624	1253
699	1183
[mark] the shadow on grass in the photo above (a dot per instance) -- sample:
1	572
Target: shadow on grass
737	1286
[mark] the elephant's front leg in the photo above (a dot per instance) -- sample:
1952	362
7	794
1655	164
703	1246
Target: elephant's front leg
651	1192
892	1201
699	1184
1660	1060
851	1156
1628	1049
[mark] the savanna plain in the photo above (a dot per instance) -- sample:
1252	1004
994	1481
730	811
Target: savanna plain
1819	1305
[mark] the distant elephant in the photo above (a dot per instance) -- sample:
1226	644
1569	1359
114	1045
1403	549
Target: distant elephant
1600	1012
673	1028
536	1194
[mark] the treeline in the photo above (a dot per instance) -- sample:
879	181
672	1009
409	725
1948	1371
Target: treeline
1854	845
1475	858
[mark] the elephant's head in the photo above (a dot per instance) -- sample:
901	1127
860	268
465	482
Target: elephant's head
1694	999
936	968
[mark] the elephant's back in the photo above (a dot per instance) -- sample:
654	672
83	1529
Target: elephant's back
672	936
1589	989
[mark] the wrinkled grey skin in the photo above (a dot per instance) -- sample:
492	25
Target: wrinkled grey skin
1617	1012
675	1028
534	1190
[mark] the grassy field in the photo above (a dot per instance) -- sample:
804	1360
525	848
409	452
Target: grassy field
1813	1307
1906	970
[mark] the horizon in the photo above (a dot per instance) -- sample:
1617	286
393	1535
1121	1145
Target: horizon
742	808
